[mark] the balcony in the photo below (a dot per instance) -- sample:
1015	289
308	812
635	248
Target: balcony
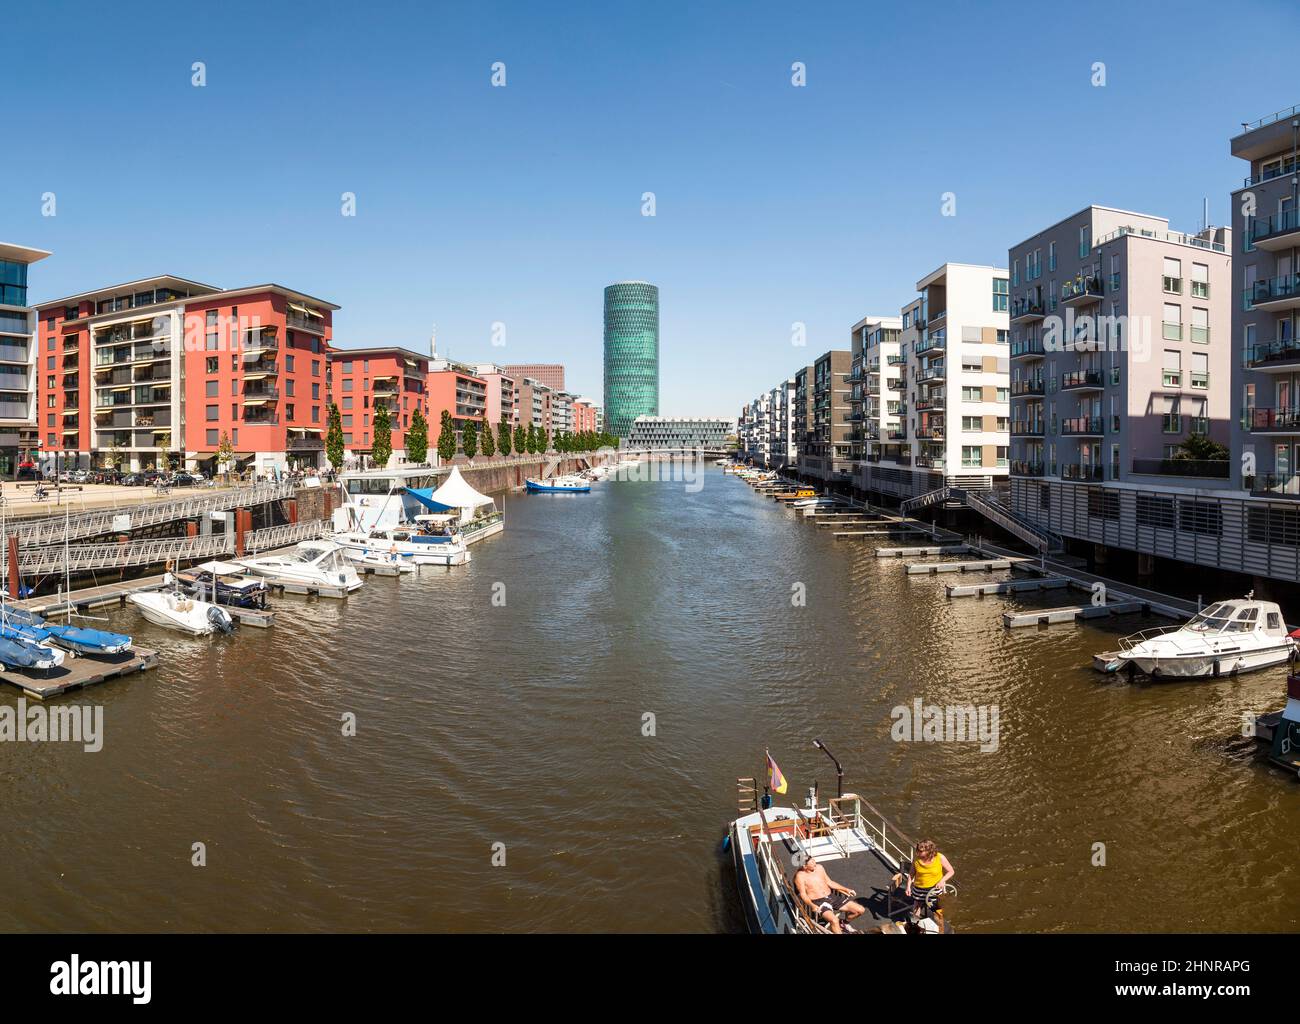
895	360
1082	291
305	321
1275	294
930	402
1021	388
307	443
1028	348
931	461
1082	380
1281	231
1273	485
1272	421
260	339
1210	469
930	433
935	371
1084	426
1028	428
1022	468
1071	471
1282	356
260	396
1025	311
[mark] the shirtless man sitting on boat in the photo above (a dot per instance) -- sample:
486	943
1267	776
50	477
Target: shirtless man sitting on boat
827	898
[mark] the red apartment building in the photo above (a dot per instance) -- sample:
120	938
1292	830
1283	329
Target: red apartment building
362	379
456	388
166	364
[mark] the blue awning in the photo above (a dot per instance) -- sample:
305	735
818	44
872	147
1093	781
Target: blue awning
424	495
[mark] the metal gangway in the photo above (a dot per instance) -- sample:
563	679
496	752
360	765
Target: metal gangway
82	558
56	529
991	509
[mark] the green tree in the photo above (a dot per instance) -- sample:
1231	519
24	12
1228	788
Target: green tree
446	438
225	453
333	437
489	444
417	437
521	439
1202	449
165	456
382	450
532	439
544	441
503	436
469	438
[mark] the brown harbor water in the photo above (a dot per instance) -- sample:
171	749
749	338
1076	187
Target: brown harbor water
522	725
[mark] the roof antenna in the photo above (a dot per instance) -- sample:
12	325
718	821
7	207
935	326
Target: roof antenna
433	342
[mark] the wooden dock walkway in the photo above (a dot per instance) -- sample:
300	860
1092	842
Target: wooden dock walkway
78	671
979	565
1008	587
1072	613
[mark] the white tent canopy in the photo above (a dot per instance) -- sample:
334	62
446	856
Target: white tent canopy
456	493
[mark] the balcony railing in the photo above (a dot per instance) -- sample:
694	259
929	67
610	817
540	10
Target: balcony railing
1071	471
1272	289
1028	387
1020	467
1273	352
1027	428
1081	380
1027	310
1027	347
1083	425
1284	223
1274	420
1215	469
1274	485
1081	290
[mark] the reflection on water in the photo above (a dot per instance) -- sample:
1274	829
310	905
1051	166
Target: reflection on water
522	725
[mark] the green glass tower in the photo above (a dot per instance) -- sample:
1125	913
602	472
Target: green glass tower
631	354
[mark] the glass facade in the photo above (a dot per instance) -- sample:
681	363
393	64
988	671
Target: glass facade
631	354
13	283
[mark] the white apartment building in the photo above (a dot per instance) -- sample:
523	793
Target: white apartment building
954	414
18	349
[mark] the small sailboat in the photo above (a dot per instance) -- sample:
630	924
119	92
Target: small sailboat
558	485
174	610
19	653
80	639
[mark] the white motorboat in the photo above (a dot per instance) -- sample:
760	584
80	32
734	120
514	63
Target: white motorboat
433	539
320	563
1229	637
174	610
558	485
382	499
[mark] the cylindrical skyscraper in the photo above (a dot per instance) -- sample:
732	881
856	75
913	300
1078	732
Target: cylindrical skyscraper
631	354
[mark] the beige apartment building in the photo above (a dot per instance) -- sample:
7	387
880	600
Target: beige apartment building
1120	352
875	386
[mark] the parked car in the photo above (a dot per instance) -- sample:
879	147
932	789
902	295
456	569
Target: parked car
133	480
184	480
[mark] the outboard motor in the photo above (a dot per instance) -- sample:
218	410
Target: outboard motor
220	618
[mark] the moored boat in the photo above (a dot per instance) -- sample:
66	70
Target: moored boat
1280	730
224	583
80	639
432	539
1225	639
558	485
318	563
855	844
174	610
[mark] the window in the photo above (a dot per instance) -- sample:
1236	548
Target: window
315	367
972	456
211	387
1200	376
288	364
315	392
1083	243
315	413
1200	281
347	366
347	402
288	386
1173	322
975	394
234	437
212	439
1173	276
288	412
975	423
212	365
1173	368
347	386
213	413
1051	256
347	420
1000	295
1201	325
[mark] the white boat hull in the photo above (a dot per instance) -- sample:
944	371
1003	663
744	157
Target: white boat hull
184	614
376	550
1209	665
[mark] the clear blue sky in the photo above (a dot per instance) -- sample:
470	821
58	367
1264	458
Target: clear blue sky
477	204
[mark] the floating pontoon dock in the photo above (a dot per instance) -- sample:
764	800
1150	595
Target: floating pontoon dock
78	671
